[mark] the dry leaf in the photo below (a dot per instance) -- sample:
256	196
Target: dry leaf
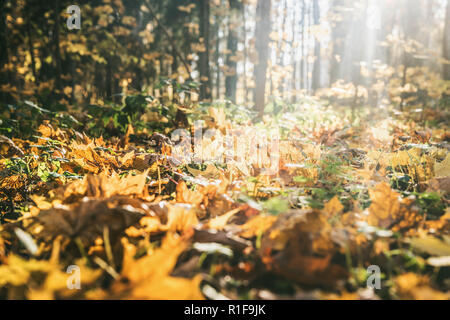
149	277
257	226
442	169
333	207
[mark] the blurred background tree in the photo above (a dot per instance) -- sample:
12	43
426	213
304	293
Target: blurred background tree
246	51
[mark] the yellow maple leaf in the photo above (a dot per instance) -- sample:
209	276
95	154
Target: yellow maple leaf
149	277
385	203
180	219
333	207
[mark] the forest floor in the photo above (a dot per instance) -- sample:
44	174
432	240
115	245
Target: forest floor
356	208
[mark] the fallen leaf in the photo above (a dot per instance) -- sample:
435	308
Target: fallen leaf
333	207
211	172
431	245
257	226
442	169
220	222
149	277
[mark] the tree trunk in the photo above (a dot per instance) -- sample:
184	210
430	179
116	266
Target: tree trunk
281	44
317	61
30	43
302	50
263	26
308	40
357	52
447	42
294	56
413	15
244	17
56	45
204	69
174	67
3	50
3	37
108	80
216	56
232	44
339	32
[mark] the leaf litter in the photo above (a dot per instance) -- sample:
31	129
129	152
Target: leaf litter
141	224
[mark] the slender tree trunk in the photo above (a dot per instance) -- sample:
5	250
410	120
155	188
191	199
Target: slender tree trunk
339	32
3	33
281	43
174	62
217	56
294	56
387	25
308	35
302	53
162	67
244	17
263	28
404	78
317	61
56	45
447	42
108	80
4	75
232	45
3	38
30	44
412	27
357	52
204	69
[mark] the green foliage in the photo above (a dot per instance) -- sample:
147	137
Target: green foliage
276	205
431	203
24	117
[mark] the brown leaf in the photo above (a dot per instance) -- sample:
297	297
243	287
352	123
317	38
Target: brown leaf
441	185
389	211
299	246
88	218
8	148
103	186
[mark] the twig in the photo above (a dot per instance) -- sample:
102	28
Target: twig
102	264
107	243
